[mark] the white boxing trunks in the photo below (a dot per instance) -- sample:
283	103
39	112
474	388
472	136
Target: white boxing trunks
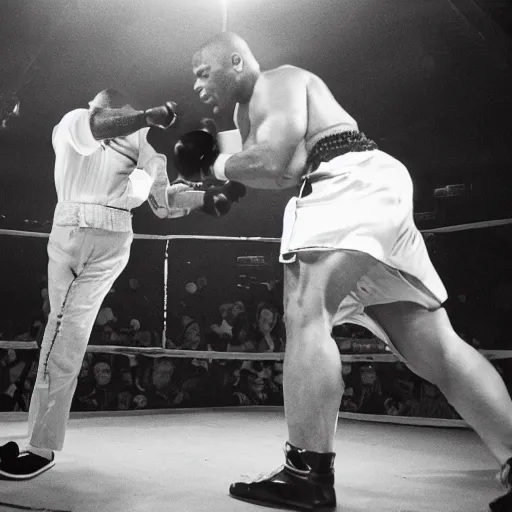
363	201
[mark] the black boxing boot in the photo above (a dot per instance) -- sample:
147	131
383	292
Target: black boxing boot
504	504
305	482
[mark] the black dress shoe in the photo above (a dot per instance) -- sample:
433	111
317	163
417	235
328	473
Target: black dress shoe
28	465
305	482
9	451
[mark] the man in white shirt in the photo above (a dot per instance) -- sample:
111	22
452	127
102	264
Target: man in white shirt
104	168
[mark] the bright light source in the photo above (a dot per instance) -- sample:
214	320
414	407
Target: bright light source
224	11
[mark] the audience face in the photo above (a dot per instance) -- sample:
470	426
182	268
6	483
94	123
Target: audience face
140	401
102	373
235	377
191	288
126	377
368	377
124	401
11	356
238	307
256	382
162	374
192	337
266	321
346	369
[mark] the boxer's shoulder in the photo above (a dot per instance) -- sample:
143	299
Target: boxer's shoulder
283	80
284	72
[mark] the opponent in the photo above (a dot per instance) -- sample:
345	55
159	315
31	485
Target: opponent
104	168
351	253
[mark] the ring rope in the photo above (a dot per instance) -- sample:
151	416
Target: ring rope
142	236
205	354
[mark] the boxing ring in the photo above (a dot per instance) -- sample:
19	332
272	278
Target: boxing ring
184	459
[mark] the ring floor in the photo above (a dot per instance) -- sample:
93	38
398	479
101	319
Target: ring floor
184	461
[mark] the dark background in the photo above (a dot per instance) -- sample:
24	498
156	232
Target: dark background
429	80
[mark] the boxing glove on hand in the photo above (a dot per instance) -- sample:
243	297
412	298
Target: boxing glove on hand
162	117
218	200
233	190
195	153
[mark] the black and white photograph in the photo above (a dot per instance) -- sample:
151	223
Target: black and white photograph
255	255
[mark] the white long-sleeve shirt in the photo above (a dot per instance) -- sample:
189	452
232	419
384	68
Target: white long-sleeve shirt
89	171
98	183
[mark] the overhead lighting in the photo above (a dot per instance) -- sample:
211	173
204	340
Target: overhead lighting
8	108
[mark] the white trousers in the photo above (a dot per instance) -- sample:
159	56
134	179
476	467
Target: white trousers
83	265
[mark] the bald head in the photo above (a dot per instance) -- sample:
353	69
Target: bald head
226	70
223	45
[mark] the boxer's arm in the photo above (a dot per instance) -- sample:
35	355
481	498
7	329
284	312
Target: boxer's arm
278	115
184	198
109	123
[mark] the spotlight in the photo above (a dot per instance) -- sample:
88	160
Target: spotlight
9	107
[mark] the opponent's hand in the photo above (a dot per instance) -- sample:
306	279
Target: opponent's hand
218	200
162	117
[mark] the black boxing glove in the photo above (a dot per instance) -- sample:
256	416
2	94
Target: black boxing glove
218	200
196	151
233	190
162	117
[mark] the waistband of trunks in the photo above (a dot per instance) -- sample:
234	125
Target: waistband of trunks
97	216
338	144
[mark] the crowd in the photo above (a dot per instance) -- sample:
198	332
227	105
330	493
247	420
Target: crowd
109	382
200	318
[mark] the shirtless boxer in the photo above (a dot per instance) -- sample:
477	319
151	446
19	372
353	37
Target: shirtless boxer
104	168
351	253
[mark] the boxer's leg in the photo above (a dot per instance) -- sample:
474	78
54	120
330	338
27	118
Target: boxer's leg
76	293
84	263
314	287
468	380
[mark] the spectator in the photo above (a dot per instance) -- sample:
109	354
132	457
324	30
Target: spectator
104	395
242	339
135	305
254	385
84	388
433	404
191	337
162	393
267	317
225	327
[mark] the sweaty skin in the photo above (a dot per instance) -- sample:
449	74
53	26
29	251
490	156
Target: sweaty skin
289	110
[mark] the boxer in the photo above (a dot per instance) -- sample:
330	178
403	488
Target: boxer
351	253
104	167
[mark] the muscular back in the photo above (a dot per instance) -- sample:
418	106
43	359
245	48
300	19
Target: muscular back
325	114
306	101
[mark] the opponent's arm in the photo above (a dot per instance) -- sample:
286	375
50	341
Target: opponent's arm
279	117
184	198
84	129
170	201
109	123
